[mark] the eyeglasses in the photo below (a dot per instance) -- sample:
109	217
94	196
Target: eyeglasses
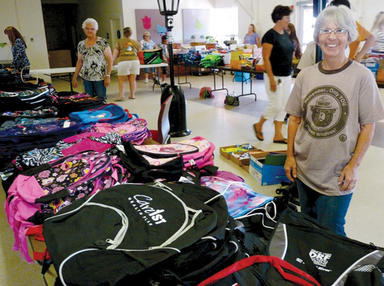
337	31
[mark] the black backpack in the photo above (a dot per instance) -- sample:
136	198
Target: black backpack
127	230
315	249
260	270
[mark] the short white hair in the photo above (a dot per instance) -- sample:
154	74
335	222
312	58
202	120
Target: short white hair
341	16
90	21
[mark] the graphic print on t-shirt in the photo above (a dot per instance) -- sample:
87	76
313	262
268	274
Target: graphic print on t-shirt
129	50
325	112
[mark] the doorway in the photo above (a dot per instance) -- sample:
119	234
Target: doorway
306	22
60	22
115	31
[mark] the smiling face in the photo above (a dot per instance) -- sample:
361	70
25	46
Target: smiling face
90	30
333	40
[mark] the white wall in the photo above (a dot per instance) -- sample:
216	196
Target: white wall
245	14
264	11
257	12
366	11
129	7
27	17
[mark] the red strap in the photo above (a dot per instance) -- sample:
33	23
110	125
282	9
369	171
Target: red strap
274	261
41	256
36	232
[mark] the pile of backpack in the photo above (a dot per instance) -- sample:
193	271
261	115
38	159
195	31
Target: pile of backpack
192	58
113	211
68	102
27	98
164	215
210	61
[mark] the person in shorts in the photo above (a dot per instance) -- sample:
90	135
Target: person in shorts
129	65
164	47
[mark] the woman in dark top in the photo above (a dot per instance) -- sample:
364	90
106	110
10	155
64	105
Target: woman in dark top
20	59
277	55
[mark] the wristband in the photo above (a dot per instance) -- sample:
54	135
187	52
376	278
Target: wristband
107	75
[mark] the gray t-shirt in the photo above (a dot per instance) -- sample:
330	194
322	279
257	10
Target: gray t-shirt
332	105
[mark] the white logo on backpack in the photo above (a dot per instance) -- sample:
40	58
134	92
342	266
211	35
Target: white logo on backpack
319	258
150	215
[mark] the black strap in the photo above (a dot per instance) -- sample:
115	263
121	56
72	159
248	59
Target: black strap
52	197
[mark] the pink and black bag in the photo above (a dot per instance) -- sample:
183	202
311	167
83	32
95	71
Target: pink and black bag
44	190
196	152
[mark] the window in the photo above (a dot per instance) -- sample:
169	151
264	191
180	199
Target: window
306	23
224	23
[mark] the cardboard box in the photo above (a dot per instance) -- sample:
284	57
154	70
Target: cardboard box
237	154
241	156
267	170
239	149
59	58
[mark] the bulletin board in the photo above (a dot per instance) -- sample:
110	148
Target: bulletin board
150	20
195	25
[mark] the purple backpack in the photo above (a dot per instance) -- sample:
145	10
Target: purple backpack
51	187
197	151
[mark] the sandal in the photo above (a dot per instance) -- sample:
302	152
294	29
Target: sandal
281	141
259	134
120	99
132	97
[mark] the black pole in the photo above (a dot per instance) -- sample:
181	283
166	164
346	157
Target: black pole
318	6
177	110
171	64
169	26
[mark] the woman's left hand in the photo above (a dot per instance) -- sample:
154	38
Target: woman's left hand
107	81
348	178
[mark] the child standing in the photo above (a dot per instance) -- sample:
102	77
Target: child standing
164	47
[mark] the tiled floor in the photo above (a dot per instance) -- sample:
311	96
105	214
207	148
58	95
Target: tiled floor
225	126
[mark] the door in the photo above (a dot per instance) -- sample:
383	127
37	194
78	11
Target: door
115	31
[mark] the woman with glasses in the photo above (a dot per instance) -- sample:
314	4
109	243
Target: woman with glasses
333	108
363	35
148	44
94	61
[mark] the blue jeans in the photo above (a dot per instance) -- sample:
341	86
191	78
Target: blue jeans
329	211
95	88
149	70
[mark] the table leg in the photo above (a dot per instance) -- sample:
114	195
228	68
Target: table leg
70	82
185	75
222	81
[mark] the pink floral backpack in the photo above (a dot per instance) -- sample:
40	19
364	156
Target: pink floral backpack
46	189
